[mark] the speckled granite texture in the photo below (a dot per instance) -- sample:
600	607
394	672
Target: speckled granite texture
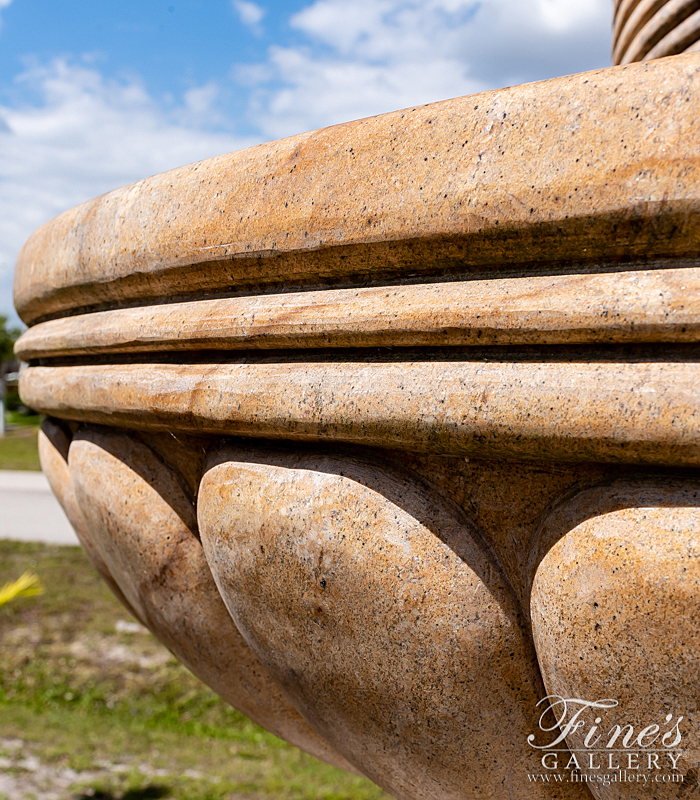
390	431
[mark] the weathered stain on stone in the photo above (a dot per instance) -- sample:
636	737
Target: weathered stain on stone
143	526
629	307
615	614
498	338
594	168
639	412
380	613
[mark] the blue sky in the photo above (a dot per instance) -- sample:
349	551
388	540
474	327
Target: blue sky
96	94
169	47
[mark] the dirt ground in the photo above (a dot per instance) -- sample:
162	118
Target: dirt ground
91	705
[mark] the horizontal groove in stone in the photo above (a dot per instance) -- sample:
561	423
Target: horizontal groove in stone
413	277
679	39
525	175
629	20
621	13
627	413
662	23
665	352
627	307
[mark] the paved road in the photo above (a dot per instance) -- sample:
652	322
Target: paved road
29	511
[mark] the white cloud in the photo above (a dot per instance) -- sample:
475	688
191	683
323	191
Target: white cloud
86	136
4	4
250	14
567	16
323	92
199	101
363	57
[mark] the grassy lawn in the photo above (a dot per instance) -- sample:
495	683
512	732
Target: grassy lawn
91	705
18	448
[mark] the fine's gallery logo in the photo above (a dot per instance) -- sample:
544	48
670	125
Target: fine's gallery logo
584	742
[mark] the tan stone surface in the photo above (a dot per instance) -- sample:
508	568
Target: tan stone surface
54	441
642	306
684	38
497	334
630	16
183	454
593	168
144	528
381	614
507	500
604	411
648	29
615	614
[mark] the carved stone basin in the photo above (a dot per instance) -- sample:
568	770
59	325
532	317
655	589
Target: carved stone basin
392	429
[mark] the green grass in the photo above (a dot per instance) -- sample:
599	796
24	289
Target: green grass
29	419
117	709
18	448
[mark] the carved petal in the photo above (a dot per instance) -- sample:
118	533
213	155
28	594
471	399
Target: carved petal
388	625
143	526
54	441
616	614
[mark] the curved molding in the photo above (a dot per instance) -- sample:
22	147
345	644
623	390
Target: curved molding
142	527
684	38
387	625
615	614
630	17
511	179
350	605
627	307
642	412
54	443
649	29
499	293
